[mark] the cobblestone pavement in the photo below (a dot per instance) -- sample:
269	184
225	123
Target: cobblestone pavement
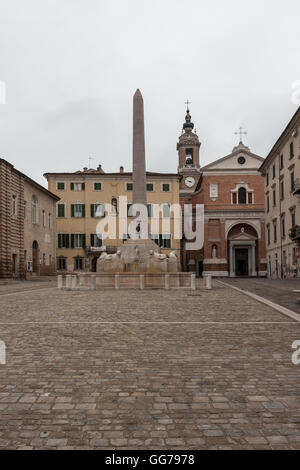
117	370
278	291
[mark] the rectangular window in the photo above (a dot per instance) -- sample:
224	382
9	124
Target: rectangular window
281	161
78	240
50	220
274	197
267	179
294	258
293	219
44	218
61	264
44	258
150	210
268	234
274	171
155	238
291	149
150	187
275	231
268	203
60	186
97	186
166	211
165	240
129	210
14	205
78	210
166	187
62	240
95	240
77	186
78	264
97	210
281	190
60	210
50	260
292	181
282	227
129	186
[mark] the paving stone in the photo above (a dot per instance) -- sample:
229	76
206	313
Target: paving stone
221	385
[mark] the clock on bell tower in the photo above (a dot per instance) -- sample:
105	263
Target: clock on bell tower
188	148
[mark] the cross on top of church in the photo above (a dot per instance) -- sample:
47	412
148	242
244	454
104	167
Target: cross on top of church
187	103
241	133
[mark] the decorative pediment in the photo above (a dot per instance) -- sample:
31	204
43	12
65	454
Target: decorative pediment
240	159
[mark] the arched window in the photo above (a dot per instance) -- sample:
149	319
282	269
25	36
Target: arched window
114	204
34	210
214	251
242	196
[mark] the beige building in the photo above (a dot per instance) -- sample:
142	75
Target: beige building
281	171
81	207
27	225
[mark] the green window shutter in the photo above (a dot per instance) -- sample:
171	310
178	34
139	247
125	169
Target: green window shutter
67	240
83	240
72	186
72	210
83	210
83	186
92	239
58	240
92	210
160	240
72	240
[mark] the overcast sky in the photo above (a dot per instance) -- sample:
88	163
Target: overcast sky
71	68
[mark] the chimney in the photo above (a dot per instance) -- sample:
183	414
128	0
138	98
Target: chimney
99	168
121	169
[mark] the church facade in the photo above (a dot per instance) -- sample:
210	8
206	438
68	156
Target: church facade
232	192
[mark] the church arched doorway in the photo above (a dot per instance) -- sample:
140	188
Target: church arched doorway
242	242
35	258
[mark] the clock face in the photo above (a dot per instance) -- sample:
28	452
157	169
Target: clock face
189	181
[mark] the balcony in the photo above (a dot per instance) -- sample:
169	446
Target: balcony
296	189
294	234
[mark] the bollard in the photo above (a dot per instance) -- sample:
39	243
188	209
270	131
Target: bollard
74	282
59	281
68	281
142	281
93	282
193	281
208	282
117	281
167	281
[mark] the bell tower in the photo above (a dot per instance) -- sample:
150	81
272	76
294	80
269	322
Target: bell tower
188	148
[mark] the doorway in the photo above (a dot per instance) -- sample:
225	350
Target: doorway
35	257
241	262
14	265
200	268
94	264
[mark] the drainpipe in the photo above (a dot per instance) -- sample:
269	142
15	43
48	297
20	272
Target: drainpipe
280	221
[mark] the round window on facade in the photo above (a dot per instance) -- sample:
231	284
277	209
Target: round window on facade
241	160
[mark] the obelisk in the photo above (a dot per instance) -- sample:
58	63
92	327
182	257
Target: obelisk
139	162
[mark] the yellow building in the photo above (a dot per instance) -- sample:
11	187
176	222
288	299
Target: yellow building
83	196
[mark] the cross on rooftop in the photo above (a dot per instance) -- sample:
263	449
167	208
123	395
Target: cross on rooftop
241	133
